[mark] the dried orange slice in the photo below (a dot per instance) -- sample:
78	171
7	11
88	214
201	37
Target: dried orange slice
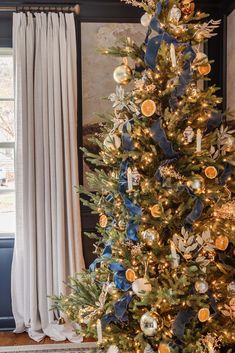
221	242
130	275
211	172
148	108
204	314
204	69
164	348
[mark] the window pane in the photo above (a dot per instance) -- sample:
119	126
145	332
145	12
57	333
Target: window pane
7	124
6	76
7	172
7	213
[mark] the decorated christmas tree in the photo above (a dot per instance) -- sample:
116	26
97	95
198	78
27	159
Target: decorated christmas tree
164	277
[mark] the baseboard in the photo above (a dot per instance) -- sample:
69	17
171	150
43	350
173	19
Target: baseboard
51	348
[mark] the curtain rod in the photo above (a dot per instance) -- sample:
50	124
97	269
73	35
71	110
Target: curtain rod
47	7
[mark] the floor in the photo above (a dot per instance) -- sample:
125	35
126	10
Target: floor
22	339
12	339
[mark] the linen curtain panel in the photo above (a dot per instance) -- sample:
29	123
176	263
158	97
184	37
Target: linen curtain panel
48	245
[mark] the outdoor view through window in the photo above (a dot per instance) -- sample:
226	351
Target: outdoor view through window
7	145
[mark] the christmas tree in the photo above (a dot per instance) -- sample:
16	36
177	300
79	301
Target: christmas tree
164	277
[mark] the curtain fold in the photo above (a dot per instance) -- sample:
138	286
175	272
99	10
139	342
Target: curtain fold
48	243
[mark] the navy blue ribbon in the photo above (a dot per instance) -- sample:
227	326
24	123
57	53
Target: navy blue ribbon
184	78
127	142
153	44
226	174
187	73
120	312
196	212
214	122
134	210
107	252
159	136
119	278
182	319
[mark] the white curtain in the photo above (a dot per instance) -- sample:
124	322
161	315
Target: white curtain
48	246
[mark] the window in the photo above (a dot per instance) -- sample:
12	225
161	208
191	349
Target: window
7	145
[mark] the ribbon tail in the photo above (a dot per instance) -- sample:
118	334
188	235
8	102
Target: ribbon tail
196	212
159	136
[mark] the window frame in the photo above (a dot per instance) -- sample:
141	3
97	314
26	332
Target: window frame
4	51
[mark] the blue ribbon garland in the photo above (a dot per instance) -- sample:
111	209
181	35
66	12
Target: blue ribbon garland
225	175
182	319
153	46
107	252
134	210
119	314
127	142
195	214
159	136
119	278
214	122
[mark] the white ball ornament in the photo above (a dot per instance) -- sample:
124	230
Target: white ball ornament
112	142
141	286
201	286
146	19
113	349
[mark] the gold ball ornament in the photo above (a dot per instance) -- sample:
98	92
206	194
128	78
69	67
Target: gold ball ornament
211	172
148	108
156	211
103	221
229	145
130	275
221	242
149	324
187	7
203	314
122	74
204	69
150	236
164	348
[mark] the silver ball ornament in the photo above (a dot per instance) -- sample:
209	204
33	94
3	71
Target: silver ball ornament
149	324
196	184
174	14
149	236
145	19
148	349
122	74
201	286
231	288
